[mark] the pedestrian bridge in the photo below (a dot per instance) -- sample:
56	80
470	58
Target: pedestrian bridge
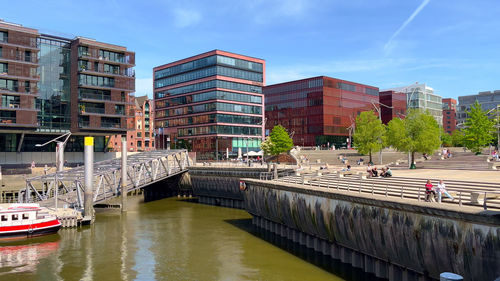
67	187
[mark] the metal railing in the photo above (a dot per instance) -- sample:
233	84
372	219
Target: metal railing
68	186
478	197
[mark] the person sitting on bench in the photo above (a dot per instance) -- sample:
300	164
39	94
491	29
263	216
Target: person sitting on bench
429	191
386	172
369	170
441	189
374	172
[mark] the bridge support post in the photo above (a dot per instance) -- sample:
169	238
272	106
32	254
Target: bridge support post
123	189
88	209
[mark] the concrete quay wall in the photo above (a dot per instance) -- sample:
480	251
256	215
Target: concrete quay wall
392	238
221	186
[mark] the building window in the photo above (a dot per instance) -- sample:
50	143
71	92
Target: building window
4	68
27	56
26	216
15	217
4	218
111	56
27	86
83	51
4	36
9	85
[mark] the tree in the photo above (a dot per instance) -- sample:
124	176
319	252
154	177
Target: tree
457	138
445	138
369	133
279	141
478	129
418	132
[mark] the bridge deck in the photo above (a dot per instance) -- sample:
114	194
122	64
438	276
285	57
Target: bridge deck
142	169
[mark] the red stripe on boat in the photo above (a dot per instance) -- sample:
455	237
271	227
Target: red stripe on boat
28	226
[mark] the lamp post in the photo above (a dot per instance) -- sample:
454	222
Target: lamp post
380	117
59	150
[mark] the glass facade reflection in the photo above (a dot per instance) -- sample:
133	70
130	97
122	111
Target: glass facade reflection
318	110
54	85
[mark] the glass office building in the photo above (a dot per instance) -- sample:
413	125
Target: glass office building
318	111
210	103
421	96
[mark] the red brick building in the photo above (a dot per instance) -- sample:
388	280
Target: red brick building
318	110
449	115
396	100
141	138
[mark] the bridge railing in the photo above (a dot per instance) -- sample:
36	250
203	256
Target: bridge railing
142	169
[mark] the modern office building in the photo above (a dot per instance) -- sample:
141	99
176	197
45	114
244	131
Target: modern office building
488	101
422	97
318	110
210	103
51	85
392	105
141	138
449	115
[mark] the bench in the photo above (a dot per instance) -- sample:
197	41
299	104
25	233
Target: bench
493	165
478	197
341	174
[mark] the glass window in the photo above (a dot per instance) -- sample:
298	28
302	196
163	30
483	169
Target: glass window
4	36
4	68
9	85
92	80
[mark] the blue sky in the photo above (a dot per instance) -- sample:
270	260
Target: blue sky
452	45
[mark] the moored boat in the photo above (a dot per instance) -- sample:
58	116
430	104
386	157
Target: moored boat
22	220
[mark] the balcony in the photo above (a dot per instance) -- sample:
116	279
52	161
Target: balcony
95	96
84	110
12	122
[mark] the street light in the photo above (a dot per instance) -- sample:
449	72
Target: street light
380	117
59	150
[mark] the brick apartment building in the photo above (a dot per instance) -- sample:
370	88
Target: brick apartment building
51	85
141	138
449	115
318	110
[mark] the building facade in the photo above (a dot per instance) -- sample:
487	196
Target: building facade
319	110
210	103
421	96
392	105
488	101
449	115
141	138
51	85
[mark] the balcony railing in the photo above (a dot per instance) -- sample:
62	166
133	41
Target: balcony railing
92	110
10	104
7	120
95	96
111	125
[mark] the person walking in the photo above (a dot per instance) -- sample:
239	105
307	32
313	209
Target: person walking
429	191
441	189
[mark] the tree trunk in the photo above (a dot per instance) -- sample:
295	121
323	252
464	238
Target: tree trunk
412	157
370	157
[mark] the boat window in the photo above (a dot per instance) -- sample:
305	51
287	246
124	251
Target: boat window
15	217
26	216
4	218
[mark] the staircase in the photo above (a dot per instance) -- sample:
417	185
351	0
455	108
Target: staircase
459	161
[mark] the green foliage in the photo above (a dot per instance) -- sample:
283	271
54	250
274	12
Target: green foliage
457	138
478	129
370	133
418	132
445	138
278	142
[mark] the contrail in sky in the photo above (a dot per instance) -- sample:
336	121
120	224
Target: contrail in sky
415	13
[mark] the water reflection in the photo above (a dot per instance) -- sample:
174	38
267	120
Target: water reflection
25	255
162	240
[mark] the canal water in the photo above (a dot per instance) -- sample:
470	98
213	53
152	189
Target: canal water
169	239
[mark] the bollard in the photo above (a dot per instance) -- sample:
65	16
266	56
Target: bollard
123	189
448	276
88	209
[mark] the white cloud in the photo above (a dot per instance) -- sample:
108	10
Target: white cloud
144	86
184	18
390	45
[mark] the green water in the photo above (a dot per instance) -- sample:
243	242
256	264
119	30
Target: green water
168	239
